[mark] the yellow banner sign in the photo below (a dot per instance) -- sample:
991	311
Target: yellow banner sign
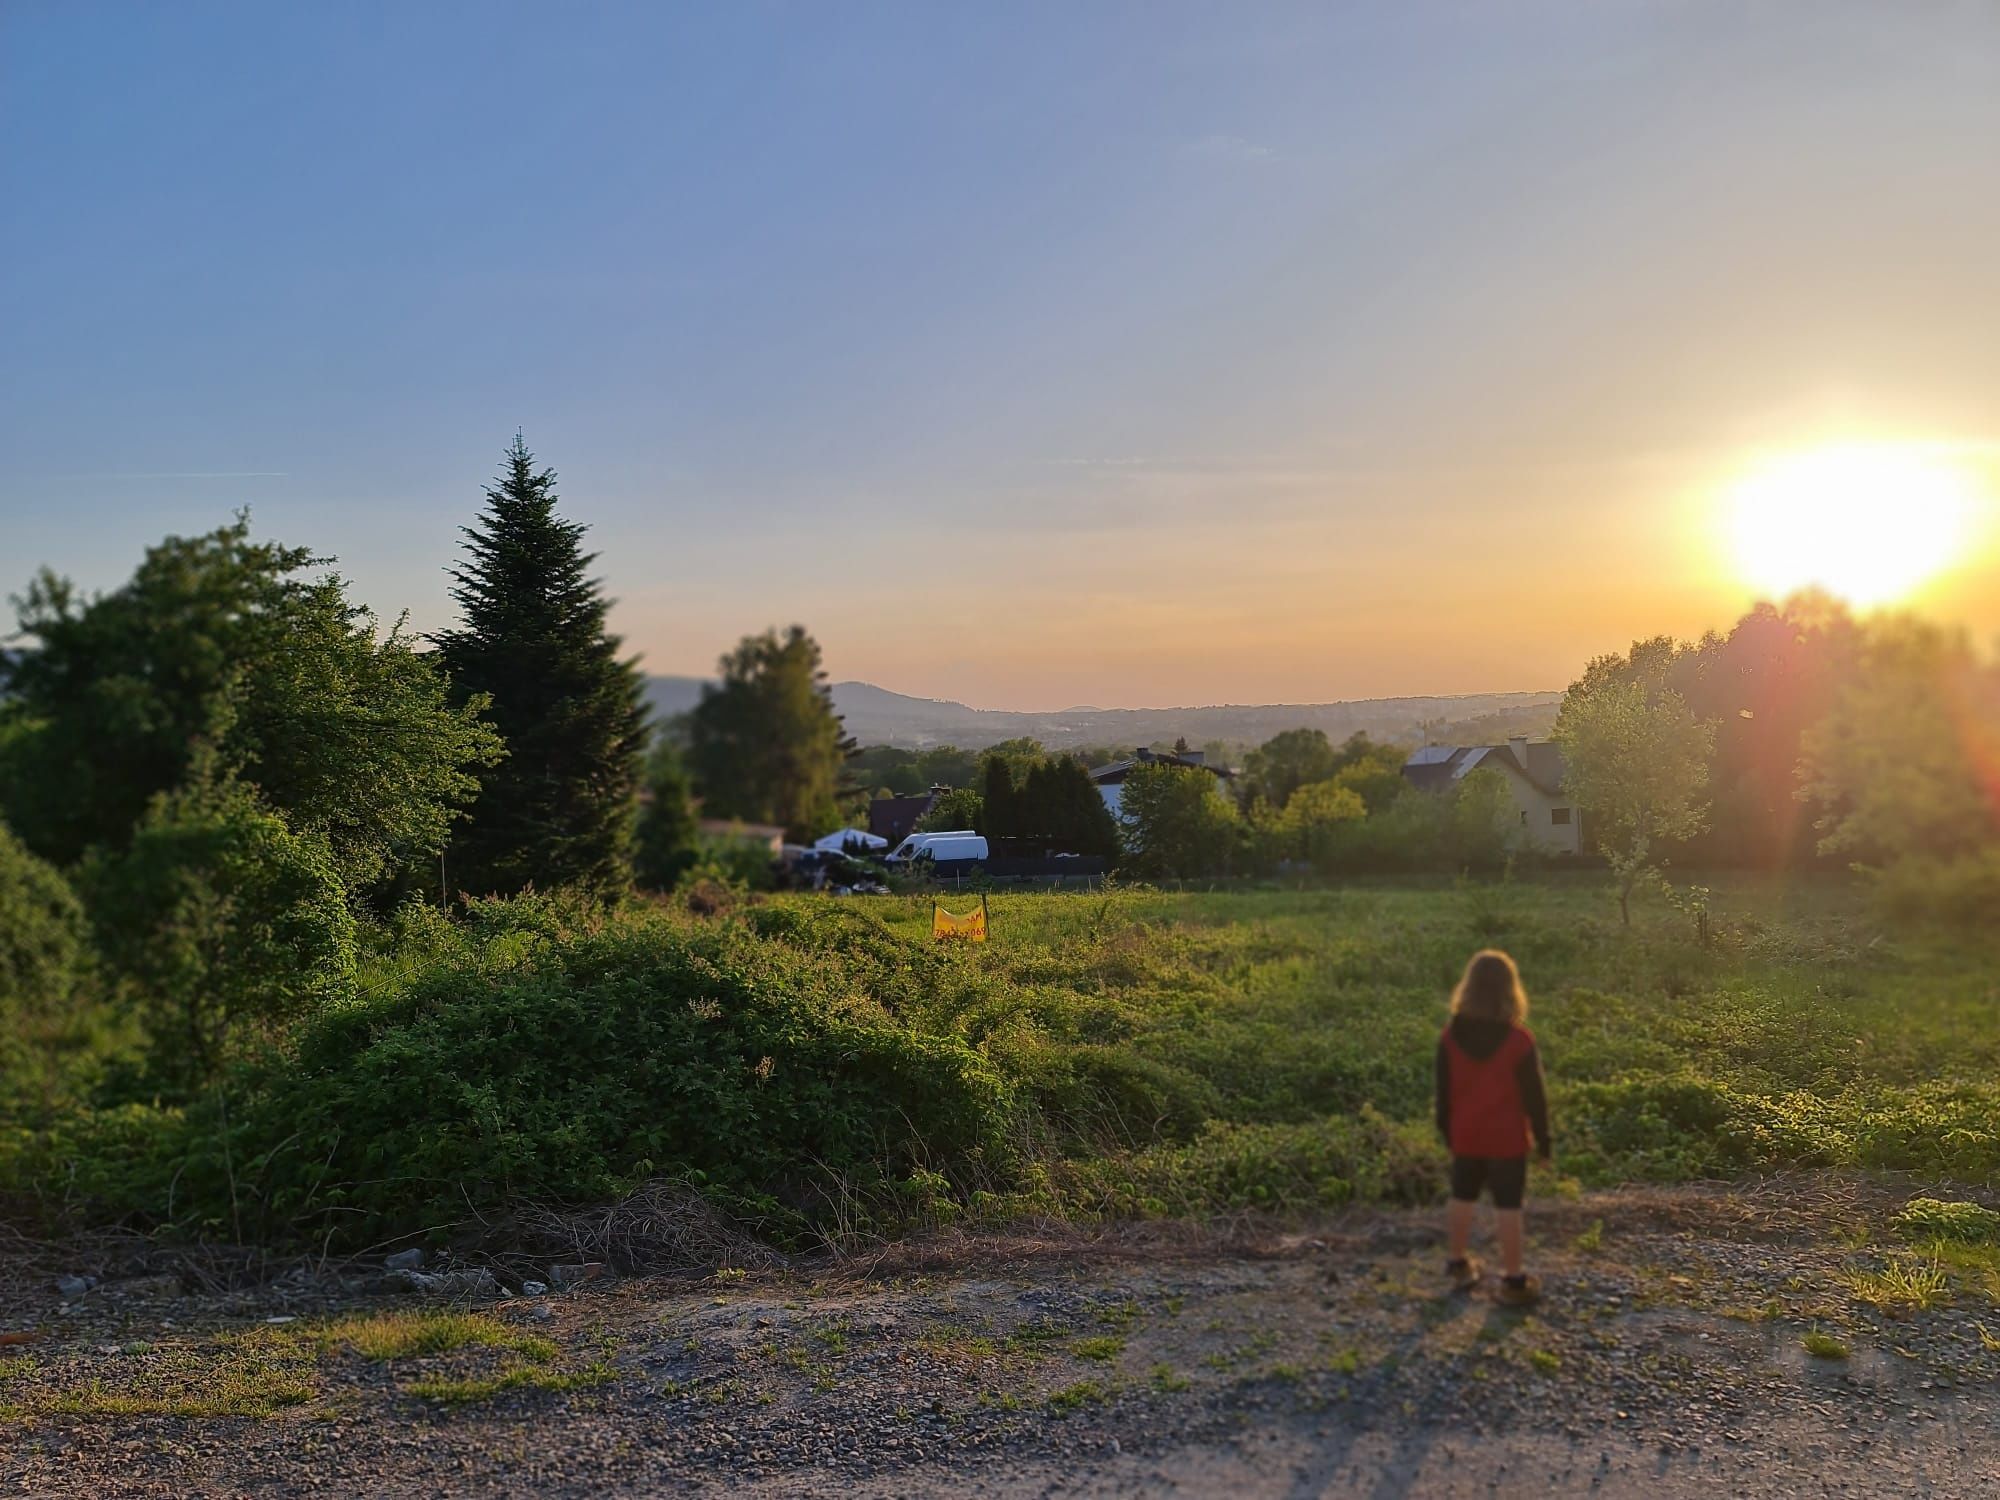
970	928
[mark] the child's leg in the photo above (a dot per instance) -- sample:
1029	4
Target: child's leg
1458	1226
1509	1222
1468	1179
1510	1181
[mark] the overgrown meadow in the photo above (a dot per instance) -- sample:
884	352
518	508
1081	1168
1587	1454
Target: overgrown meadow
821	1068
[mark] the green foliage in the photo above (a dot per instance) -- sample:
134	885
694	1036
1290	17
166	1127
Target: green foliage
1374	773
219	919
345	730
1921	890
962	807
1762	685
1307	829
904	773
1178	822
558	809
1047	804
765	744
999	800
665	842
1123	1052
573	1065
43	964
1283	764
42	938
1636	763
1281	1168
1960	1223
1900	762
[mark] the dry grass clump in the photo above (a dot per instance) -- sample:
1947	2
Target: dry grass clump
664	1226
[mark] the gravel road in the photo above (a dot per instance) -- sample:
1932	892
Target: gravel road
1669	1358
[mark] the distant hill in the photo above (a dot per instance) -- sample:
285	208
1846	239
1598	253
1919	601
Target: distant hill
876	716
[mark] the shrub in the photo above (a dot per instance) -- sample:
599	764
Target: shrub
1961	1223
1923	890
1278	1168
42	961
590	1062
219	918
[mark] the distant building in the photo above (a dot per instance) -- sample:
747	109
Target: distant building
895	818
1534	773
1110	779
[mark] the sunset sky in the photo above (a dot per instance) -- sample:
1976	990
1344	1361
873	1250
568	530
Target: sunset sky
1031	355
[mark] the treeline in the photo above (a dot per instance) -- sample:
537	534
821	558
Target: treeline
1303	805
218	777
1801	738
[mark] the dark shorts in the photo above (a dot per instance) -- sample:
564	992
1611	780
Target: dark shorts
1507	1176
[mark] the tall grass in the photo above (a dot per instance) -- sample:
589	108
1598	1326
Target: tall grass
1121	1052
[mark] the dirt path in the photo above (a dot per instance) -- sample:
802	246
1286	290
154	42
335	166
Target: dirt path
1668	1359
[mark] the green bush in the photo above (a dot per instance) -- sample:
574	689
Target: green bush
1922	890
1934	1219
1277	1168
219	921
583	1062
43	960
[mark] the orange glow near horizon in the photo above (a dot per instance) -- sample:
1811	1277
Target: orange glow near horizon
1872	523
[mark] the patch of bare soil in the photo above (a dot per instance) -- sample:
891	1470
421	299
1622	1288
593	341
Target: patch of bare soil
1670	1356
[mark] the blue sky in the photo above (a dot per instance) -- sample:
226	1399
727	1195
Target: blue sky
1030	354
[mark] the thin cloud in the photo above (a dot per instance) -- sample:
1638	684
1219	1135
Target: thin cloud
1229	148
188	474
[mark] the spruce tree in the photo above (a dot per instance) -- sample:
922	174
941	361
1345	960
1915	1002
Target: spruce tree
558	810
1003	814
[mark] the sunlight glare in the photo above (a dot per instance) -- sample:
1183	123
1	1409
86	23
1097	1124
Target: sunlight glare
1869	522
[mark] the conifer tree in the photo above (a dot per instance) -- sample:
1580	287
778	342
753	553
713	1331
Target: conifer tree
558	810
1003	815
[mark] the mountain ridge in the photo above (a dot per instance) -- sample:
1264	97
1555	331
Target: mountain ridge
879	716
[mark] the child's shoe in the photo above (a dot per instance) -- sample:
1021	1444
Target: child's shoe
1520	1291
1464	1273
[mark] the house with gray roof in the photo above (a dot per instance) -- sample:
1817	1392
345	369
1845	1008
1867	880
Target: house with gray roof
1534	774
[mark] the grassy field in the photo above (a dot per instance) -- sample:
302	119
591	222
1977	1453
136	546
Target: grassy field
818	1065
1800	1034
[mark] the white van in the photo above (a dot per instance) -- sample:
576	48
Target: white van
956	851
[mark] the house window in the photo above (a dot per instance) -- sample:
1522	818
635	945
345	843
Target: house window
1559	815
1524	815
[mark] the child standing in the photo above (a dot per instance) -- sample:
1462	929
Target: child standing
1490	1099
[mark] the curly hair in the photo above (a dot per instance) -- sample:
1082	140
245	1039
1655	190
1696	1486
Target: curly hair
1491	989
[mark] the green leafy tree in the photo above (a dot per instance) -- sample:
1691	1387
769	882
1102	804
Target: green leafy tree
344	729
219	921
558	810
1022	756
44	955
1317	813
1373	772
1900	765
665	842
1637	764
1177	822
1763	684
1283	764
765	744
946	765
961	807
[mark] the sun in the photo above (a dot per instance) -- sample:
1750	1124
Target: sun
1869	522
